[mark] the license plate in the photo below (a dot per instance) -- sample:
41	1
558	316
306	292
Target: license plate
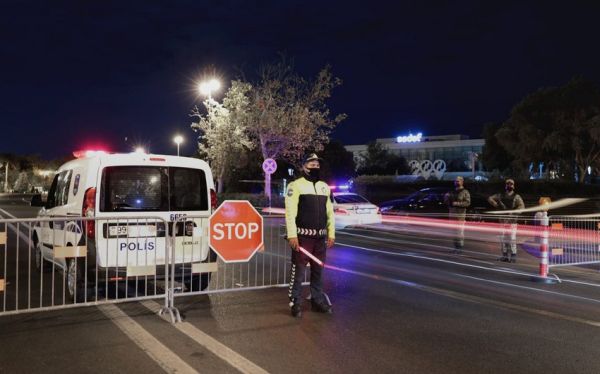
117	230
133	231
363	211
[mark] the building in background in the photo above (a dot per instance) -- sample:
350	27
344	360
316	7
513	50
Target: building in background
459	153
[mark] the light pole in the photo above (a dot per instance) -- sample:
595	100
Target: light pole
206	88
6	178
178	139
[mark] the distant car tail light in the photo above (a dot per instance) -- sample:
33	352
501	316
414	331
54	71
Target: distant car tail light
341	211
213	200
88	210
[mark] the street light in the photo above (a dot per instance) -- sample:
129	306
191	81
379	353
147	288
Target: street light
206	88
178	140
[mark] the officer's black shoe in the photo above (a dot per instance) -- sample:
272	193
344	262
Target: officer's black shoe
503	258
513	259
321	308
296	309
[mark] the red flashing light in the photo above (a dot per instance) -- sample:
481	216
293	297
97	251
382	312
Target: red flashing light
87	153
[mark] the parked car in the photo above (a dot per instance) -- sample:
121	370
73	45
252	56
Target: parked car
431	201
353	209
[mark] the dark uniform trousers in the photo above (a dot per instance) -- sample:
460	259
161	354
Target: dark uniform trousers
317	247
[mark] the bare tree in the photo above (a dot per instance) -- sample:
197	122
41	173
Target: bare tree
288	114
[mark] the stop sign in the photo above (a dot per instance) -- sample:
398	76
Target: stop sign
235	231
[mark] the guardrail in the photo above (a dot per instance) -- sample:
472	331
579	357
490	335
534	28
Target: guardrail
573	241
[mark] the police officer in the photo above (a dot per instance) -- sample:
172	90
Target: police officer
508	200
458	201
310	224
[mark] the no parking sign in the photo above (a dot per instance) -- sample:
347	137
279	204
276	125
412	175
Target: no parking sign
269	166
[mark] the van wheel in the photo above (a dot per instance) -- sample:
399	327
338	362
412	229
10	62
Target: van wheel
199	282
76	286
39	259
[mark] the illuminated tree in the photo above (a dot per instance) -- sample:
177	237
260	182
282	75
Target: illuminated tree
223	130
22	184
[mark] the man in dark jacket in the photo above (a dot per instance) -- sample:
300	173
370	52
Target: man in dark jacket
310	224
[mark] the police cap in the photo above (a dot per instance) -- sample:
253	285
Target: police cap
311	157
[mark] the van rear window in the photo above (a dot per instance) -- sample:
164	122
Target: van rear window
150	189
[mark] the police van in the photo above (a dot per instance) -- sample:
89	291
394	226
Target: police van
111	215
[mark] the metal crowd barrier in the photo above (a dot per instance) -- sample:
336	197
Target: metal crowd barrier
269	267
573	241
55	263
125	259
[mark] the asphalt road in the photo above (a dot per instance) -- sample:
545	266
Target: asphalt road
402	304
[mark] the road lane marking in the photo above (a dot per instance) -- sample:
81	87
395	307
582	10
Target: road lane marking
419	244
163	356
470	298
217	348
528	288
13	228
500	270
437	260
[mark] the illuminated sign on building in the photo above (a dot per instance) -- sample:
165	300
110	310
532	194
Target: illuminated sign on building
410	138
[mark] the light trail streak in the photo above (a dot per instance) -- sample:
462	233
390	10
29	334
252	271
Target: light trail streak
559	233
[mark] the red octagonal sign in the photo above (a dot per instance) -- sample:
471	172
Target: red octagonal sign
236	231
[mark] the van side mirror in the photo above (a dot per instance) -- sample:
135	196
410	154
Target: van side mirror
36	200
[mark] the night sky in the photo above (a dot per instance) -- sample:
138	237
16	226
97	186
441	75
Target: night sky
79	74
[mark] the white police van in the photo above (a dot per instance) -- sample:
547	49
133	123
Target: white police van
117	209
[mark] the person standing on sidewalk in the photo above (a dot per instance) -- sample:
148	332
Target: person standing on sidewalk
458	201
508	200
310	224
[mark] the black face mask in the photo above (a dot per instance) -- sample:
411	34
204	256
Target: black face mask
313	174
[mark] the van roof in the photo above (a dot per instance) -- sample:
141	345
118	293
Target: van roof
116	159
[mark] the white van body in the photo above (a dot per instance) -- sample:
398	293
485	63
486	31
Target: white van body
136	197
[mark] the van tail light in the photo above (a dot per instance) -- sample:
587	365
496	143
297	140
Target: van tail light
88	210
213	200
341	211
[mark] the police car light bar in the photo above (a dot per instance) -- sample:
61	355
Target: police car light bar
340	187
87	153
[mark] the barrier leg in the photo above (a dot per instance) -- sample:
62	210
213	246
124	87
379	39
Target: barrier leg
169	306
